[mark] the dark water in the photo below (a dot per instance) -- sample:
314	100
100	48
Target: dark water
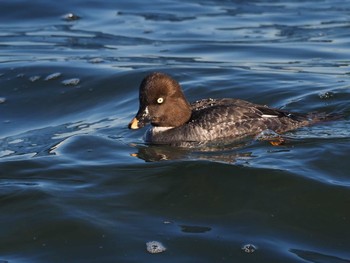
77	186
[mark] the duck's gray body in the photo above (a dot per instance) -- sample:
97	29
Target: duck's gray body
175	121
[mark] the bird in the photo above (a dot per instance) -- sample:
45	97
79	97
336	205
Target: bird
175	121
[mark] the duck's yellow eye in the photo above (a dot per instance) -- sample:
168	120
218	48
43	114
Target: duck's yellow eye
160	100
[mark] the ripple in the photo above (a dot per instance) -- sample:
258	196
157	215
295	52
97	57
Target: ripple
194	229
5	153
313	256
73	142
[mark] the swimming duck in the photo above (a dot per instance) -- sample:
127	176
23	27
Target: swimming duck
174	120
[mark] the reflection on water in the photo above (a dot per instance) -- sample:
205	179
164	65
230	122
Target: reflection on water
155	153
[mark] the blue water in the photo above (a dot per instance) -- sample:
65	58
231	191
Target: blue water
77	186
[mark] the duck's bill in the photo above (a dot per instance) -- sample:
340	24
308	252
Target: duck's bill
137	123
134	124
140	120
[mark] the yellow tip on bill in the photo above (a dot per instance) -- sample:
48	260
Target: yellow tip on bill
134	124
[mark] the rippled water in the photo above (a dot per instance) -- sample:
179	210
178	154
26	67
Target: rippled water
77	186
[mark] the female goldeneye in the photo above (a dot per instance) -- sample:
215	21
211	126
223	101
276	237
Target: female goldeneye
176	121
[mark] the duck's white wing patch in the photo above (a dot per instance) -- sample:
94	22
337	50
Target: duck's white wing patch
160	129
269	116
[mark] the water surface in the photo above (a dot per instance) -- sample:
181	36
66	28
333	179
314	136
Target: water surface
77	186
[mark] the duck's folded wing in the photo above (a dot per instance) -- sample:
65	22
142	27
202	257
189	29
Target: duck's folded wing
244	119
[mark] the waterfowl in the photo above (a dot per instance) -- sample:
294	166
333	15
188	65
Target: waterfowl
174	120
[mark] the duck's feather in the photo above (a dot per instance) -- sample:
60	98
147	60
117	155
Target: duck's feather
229	118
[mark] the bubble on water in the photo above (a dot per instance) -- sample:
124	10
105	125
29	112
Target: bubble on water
34	78
249	248
326	96
71	82
53	76
2	100
71	17
155	247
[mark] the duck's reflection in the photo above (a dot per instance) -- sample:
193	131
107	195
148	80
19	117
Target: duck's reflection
211	152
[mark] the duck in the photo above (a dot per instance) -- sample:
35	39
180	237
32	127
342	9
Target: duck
175	121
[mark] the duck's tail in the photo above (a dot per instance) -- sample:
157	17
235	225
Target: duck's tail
298	120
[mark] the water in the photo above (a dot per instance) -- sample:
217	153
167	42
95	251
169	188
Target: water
77	186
